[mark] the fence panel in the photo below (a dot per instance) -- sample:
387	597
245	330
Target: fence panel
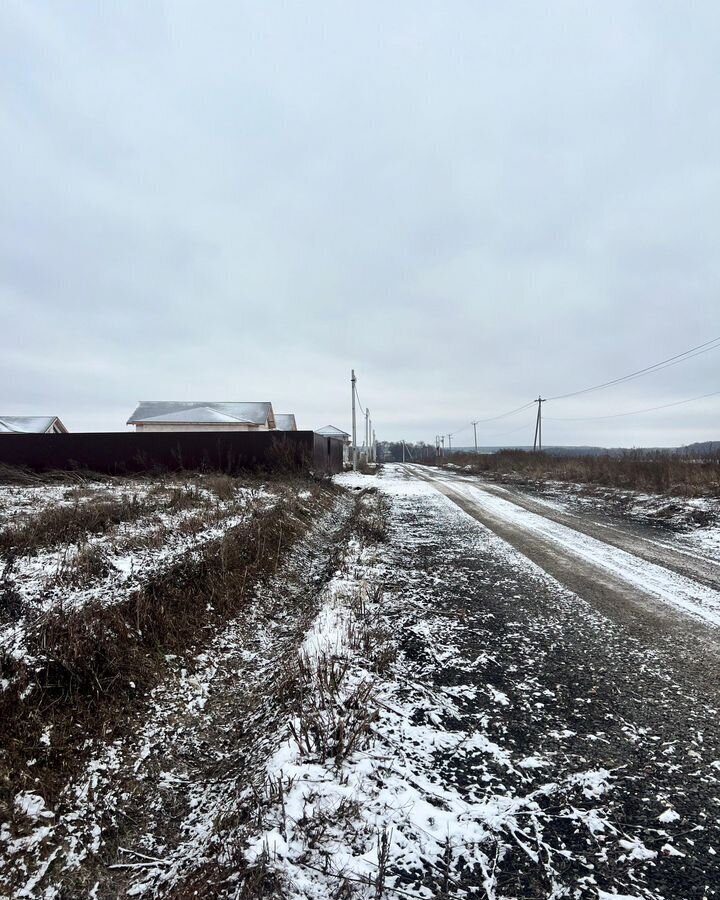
126	452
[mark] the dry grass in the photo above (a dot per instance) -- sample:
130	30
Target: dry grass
98	661
59	525
372	523
656	473
87	564
331	714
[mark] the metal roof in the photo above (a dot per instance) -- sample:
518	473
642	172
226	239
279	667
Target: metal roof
285	422
332	430
203	412
29	424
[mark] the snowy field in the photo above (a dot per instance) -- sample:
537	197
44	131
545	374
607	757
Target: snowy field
64	546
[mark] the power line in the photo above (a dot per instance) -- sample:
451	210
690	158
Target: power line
678	358
635	412
656	367
504	415
362	406
496	434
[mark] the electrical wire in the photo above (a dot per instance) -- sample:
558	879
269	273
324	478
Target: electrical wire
635	412
504	415
362	408
706	347
500	434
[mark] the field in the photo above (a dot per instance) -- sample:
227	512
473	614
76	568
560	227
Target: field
659	473
384	685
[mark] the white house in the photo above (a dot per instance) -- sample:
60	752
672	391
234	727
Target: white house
202	415
31	425
285	422
332	432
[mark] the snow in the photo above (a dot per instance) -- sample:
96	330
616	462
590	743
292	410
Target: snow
316	816
132	551
32	806
698	600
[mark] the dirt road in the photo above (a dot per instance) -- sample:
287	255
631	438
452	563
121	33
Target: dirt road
633	577
608	665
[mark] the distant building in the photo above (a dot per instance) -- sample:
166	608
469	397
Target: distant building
202	415
332	432
285	422
31	425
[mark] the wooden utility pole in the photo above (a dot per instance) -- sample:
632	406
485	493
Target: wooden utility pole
449	443
537	442
474	424
354	426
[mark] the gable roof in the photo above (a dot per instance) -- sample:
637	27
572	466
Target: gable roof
331	430
203	412
30	424
285	422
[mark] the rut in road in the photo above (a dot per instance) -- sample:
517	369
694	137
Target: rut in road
642	594
700	568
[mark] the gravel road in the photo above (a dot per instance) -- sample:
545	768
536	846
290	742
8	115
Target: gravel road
572	666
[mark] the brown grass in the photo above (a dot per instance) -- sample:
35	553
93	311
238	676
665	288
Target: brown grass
326	720
59	525
87	564
655	473
99	660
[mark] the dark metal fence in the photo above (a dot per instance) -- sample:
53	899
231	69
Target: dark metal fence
126	452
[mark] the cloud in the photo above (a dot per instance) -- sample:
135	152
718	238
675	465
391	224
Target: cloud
470	204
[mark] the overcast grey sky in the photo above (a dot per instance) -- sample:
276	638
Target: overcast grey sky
469	202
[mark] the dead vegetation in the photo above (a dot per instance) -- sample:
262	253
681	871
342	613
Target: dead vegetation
88	667
332	715
87	564
660	473
68	524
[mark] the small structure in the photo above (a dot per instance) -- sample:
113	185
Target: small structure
285	422
332	432
31	425
202	415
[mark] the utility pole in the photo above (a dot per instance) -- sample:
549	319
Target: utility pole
449	443
374	447
442	440
367	433
354	428
474	424
537	442
403	443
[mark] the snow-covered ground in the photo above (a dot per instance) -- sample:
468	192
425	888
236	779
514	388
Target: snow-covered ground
178	516
439	718
447	797
695	599
690	522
